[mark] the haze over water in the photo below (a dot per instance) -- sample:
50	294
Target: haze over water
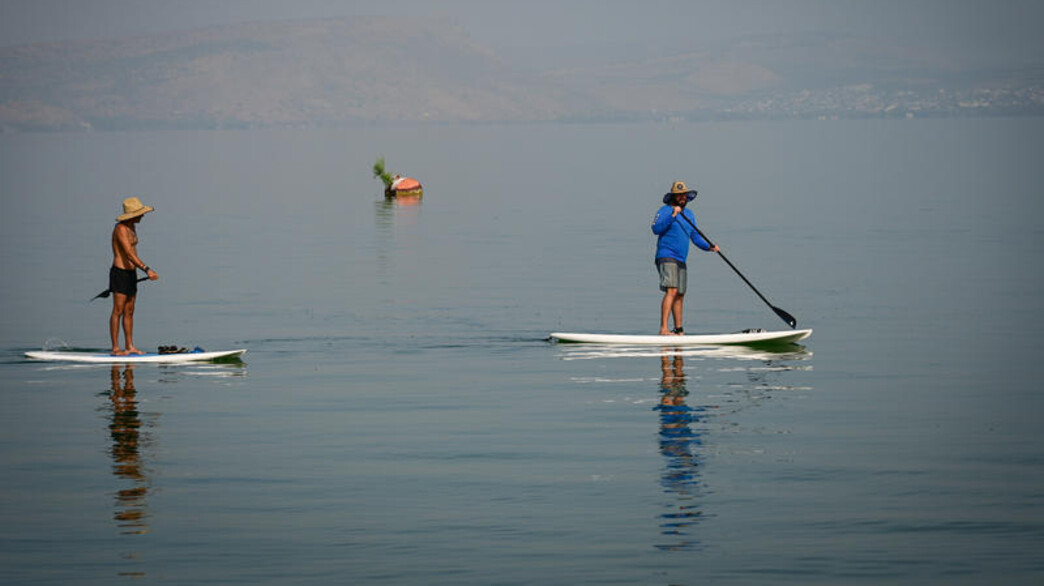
400	416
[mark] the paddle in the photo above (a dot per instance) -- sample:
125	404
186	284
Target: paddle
782	314
105	294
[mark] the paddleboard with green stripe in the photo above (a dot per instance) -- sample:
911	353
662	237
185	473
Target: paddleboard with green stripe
747	337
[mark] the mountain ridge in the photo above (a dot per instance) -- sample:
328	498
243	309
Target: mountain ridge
379	69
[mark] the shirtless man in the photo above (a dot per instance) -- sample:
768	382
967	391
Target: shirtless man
123	276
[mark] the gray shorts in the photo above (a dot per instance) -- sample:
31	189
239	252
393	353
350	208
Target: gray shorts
672	275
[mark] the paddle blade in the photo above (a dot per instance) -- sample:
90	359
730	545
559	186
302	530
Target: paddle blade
785	317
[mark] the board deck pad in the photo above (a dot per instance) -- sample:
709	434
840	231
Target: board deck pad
106	358
745	337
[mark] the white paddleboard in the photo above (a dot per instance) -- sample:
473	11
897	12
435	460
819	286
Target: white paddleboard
103	358
748	337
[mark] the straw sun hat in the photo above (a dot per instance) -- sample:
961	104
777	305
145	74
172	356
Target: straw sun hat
676	188
132	208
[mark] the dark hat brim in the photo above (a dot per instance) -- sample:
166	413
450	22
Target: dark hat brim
667	197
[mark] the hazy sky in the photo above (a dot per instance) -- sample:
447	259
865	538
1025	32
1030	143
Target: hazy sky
991	31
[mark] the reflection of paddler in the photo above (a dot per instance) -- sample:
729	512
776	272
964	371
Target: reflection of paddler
672	375
675	415
125	430
678	442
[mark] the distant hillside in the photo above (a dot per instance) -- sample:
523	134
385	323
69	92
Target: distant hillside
679	83
295	73
337	71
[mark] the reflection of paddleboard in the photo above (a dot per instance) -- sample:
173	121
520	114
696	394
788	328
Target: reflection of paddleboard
764	351
747	337
103	358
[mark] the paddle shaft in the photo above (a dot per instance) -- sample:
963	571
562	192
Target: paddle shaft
786	317
106	292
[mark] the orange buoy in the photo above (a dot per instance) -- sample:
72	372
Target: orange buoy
404	186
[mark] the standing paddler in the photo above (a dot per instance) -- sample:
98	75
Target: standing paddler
672	249
123	282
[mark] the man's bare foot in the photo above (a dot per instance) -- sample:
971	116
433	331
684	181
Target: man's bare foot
118	352
667	333
132	350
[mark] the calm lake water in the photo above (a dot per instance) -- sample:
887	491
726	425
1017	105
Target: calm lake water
401	418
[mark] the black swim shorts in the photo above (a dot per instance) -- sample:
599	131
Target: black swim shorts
123	281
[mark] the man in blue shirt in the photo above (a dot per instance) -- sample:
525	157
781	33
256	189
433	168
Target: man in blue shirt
672	248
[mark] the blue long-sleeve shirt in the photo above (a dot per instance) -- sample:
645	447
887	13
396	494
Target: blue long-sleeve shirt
674	234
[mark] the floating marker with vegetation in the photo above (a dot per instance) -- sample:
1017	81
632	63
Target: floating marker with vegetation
396	185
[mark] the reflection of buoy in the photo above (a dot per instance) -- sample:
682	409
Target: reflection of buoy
405	200
404	187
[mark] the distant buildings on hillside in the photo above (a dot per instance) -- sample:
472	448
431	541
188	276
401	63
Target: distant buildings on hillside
867	101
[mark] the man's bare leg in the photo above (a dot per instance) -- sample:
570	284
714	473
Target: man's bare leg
677	309
667	306
119	306
128	326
